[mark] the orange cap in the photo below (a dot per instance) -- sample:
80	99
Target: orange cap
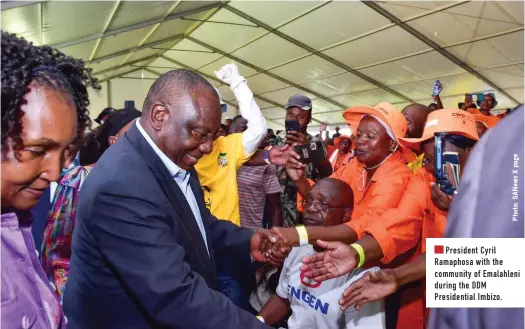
387	113
451	121
488	120
384	111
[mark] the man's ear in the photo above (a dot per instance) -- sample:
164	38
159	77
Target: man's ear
158	114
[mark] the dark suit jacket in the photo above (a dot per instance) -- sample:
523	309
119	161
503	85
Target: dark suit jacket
139	260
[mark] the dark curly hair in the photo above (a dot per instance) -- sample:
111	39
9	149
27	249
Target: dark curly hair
23	63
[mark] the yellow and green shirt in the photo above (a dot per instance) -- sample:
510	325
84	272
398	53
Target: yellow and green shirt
218	177
417	163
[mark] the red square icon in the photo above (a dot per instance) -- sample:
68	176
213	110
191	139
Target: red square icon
439	249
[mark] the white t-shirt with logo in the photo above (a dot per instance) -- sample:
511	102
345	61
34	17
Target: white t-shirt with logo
316	304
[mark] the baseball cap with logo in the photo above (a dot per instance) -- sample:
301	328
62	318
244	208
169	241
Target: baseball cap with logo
452	121
300	101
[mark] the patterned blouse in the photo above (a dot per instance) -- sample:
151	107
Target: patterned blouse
56	249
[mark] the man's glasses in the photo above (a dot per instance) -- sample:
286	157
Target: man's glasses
321	206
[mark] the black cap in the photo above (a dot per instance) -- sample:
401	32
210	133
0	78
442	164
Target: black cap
105	112
299	101
118	119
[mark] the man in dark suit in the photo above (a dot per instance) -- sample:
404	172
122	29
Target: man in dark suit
144	242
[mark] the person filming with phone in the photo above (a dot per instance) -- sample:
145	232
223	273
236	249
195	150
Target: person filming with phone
298	117
486	102
377	174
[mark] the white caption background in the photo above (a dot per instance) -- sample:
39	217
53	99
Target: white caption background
482	291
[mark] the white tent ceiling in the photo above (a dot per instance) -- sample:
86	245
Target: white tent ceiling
340	53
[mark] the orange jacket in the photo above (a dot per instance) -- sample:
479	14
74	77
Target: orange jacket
384	191
415	219
399	229
435	219
493	117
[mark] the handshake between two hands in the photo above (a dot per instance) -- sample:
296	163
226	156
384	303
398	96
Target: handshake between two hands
336	259
272	246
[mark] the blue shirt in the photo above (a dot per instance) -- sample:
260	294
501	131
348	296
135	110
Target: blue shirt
182	178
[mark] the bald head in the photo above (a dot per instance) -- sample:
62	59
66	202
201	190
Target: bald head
181	114
339	191
416	116
173	86
336	195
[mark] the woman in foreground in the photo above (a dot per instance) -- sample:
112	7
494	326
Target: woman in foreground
44	110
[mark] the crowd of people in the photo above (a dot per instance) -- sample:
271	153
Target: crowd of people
168	218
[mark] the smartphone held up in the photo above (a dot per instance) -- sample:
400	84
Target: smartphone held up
446	166
314	152
292	125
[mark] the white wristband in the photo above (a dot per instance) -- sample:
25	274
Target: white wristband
260	318
303	235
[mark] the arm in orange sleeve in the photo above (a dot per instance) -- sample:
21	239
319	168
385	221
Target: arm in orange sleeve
399	229
342	173
303	185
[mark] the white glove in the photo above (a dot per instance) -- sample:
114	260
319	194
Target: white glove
229	74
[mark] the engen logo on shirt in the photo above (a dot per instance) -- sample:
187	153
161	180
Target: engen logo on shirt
307	298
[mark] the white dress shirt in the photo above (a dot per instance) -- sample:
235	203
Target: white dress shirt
182	178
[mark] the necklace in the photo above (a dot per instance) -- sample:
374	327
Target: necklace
362	177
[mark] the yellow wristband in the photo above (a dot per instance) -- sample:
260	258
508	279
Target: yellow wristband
360	252
260	318
303	235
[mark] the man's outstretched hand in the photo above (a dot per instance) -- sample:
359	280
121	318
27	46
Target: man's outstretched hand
337	259
264	248
371	287
279	155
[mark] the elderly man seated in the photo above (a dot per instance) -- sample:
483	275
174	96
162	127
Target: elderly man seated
316	304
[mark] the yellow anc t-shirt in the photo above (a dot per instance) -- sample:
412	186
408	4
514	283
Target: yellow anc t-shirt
218	176
417	163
